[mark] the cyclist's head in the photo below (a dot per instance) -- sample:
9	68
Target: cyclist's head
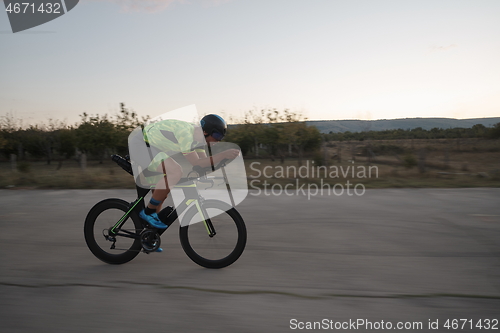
214	126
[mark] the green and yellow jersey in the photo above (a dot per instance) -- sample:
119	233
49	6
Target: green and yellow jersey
171	137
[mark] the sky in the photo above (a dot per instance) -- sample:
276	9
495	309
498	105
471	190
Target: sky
328	59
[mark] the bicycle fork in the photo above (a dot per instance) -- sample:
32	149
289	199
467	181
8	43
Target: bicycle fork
205	218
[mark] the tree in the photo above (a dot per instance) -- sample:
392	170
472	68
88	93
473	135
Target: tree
243	135
494	132
95	135
256	129
10	128
304	137
67	142
125	122
3	141
277	130
44	140
38	142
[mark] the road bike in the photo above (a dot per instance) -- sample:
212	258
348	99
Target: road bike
116	234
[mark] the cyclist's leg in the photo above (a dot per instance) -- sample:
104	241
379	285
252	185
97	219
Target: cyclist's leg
173	173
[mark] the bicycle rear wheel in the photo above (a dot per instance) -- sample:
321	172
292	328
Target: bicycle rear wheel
225	247
101	218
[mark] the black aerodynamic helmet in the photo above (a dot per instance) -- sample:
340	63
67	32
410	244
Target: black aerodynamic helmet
214	125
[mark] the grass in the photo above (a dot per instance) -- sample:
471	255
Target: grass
389	176
70	176
448	164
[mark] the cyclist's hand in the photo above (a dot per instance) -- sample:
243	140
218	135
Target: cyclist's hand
230	154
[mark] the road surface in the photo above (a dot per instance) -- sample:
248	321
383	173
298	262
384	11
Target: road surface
398	256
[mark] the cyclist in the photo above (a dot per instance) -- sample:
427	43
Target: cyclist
177	137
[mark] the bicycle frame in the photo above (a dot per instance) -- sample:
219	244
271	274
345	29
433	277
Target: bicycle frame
191	196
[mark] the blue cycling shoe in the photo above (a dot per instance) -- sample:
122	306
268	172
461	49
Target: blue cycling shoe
153	220
159	250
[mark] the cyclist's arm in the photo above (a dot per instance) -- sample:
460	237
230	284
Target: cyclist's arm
201	159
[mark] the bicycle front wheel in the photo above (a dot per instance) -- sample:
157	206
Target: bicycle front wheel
223	248
120	248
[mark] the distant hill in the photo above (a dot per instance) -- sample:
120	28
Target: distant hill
327	126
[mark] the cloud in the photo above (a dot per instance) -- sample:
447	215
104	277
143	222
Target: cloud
152	6
435	48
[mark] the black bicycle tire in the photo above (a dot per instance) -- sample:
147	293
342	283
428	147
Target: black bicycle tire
240	244
90	220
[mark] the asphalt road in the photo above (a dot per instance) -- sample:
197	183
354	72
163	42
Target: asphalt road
397	255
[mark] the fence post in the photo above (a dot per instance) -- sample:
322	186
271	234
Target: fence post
13	162
421	160
83	161
339	152
446	159
325	153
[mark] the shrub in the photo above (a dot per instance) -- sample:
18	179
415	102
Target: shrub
318	158
23	167
409	161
